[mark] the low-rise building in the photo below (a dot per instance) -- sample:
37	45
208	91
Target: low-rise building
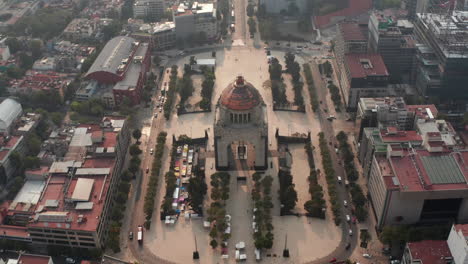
164	35
458	243
45	64
80	29
364	75
10	111
383	112
411	185
68	203
35	81
120	70
427	252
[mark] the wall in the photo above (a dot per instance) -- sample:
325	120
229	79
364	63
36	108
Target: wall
458	246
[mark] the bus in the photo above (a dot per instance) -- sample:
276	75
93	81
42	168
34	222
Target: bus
140	235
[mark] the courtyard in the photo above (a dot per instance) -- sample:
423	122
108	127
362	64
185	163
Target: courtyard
308	238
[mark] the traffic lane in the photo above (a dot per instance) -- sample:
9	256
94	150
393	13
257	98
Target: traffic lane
328	130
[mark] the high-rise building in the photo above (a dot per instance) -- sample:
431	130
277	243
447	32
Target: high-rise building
442	56
350	38
199	18
391	37
149	9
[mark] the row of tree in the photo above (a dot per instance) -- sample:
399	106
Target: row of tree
185	86
118	210
171	185
207	88
252	25
287	192
330	177
46	23
151	189
311	86
335	95
261	196
316	206
217	214
293	68
357	195
170	94
278	88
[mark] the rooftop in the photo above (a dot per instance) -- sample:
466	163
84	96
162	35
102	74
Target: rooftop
33	259
463	228
430	251
352	32
133	72
400	136
424	111
365	65
426	171
240	95
112	54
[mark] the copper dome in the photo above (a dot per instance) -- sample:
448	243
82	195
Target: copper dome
240	95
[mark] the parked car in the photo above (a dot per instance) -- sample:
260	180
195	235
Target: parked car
151	151
348	218
147	170
70	260
339	179
350	232
345	203
348	246
130	235
367	255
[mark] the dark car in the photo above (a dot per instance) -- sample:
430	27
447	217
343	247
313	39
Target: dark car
348	246
130	235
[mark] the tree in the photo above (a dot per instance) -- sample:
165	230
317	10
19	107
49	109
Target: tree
136	134
214	243
16	159
14	45
111	30
135	150
275	69
289	198
197	189
252	25
14	72
31	162
327	68
33	143
35	46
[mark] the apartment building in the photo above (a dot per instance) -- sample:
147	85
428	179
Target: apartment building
69	202
195	19
149	9
391	37
409	185
442	56
350	38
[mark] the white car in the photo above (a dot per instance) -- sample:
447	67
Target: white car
348	218
345	203
350	232
367	255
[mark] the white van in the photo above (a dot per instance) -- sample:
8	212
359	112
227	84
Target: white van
348	218
339	179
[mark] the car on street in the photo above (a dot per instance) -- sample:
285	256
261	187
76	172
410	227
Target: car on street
70	260
147	170
155	115
348	218
339	179
333	260
345	203
160	109
151	151
367	255
350	232
130	235
348	246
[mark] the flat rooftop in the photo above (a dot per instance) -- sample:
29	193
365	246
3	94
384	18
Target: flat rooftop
133	72
425	171
430	251
365	65
352	32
